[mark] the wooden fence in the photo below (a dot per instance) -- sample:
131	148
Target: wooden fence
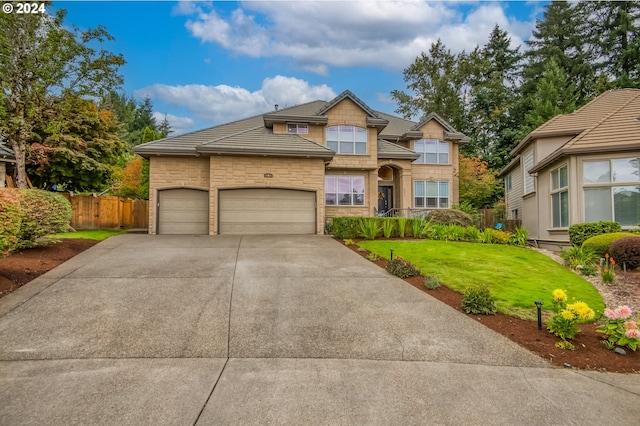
89	212
489	218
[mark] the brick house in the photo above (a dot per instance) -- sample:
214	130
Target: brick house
578	167
289	170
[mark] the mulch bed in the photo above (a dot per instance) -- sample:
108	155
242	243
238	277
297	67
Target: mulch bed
589	353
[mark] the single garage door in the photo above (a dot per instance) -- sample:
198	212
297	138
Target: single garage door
183	211
267	211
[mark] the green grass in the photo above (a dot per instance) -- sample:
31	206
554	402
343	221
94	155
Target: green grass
516	276
91	234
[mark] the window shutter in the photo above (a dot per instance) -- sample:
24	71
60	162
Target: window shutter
528	179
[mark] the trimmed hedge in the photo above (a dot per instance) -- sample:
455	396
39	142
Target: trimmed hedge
626	250
580	232
600	244
11	217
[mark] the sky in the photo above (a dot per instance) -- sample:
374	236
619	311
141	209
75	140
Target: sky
208	63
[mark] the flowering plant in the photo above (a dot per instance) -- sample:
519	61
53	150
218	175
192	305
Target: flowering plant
564	323
620	328
607	272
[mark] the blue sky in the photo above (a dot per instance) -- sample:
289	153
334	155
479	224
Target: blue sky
206	63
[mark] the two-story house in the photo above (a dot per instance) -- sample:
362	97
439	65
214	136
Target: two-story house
578	167
290	169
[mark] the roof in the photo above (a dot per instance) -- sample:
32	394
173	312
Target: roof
6	153
393	151
610	121
603	106
254	135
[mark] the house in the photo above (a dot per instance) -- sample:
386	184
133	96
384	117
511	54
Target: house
291	169
578	167
7	159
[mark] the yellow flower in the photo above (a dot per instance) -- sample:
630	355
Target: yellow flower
567	314
582	310
559	295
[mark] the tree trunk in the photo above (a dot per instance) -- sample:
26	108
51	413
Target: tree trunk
18	144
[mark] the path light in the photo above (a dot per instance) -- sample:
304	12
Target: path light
539	304
391	255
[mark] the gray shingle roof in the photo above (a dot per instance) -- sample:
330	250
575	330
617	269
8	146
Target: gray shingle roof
392	151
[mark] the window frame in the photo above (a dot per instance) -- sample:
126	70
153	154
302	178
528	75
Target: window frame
344	141
439	143
508	183
558	190
339	195
425	198
529	183
298	128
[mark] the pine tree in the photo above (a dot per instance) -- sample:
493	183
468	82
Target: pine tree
165	127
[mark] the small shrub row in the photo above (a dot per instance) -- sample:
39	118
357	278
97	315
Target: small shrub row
580	232
27	215
389	227
402	268
600	244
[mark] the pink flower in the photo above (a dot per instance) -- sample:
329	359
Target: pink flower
623	312
610	313
631	325
633	334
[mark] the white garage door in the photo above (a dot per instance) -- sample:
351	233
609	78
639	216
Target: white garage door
267	211
183	211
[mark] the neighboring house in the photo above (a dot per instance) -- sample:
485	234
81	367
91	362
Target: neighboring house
7	159
289	170
578	167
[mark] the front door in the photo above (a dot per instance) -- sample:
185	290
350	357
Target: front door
385	198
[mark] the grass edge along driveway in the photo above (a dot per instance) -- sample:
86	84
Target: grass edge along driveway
516	276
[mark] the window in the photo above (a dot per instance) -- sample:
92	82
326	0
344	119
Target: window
347	139
298	128
560	197
432	151
507	183
431	194
612	190
514	214
344	190
528	179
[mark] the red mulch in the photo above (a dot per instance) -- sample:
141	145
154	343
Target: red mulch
19	268
589	353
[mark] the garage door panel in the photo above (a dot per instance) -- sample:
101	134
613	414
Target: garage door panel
267	211
183	211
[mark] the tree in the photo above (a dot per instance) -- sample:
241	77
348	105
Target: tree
478	183
165	127
438	83
40	58
124	107
77	149
554	95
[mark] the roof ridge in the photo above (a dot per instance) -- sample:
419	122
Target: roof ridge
584	133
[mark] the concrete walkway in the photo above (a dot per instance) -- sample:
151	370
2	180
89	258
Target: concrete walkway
153	330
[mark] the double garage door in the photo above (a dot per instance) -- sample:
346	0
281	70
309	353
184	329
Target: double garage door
241	211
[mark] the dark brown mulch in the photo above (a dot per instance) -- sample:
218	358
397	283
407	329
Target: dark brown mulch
589	353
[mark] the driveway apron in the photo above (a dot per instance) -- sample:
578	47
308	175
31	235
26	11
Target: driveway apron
267	330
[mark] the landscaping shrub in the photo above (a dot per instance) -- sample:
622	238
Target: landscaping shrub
388	226
455	232
600	244
519	237
402	226
10	221
370	227
450	217
477	299
580	232
468	208
432	283
626	250
402	268
345	227
472	234
494	236
578	256
564	323
421	228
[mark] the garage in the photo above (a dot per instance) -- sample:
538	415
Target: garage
183	212
267	211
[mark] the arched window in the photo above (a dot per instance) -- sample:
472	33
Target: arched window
347	140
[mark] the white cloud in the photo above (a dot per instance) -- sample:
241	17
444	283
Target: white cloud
318	35
179	125
222	103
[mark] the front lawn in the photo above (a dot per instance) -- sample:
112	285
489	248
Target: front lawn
516	276
91	234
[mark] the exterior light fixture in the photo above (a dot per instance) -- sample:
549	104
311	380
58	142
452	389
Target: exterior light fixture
391	254
539	304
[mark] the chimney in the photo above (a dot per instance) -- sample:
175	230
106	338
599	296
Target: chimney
276	105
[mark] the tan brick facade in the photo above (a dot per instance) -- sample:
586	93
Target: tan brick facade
249	172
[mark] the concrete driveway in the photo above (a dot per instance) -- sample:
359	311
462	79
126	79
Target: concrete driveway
268	330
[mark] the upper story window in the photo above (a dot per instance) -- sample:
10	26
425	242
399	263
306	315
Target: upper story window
347	139
432	151
508	183
529	185
298	128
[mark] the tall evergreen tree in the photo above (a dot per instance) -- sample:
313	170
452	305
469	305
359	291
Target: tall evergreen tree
165	127
563	35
